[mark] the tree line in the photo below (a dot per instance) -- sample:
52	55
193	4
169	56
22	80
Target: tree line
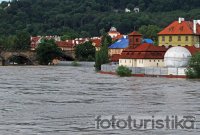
85	18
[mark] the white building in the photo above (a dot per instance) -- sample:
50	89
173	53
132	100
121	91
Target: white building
177	57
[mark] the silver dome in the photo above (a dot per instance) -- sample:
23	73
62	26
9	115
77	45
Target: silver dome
177	57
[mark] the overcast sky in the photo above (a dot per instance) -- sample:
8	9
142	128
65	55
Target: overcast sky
3	0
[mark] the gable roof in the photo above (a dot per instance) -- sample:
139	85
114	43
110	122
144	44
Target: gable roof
135	33
192	49
96	42
183	28
144	51
65	44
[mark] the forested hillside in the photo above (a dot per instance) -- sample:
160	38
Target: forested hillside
88	17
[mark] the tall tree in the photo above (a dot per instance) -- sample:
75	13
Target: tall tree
22	41
85	51
47	51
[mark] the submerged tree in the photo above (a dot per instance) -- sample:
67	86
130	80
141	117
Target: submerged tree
193	71
47	51
85	52
102	56
22	41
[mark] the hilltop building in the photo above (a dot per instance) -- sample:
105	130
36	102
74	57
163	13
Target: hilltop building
113	33
180	33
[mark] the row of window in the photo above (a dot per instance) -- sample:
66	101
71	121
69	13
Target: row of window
141	61
180	38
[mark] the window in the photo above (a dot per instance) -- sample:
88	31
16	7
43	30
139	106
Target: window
170	38
125	61
179	38
186	38
149	60
163	38
130	61
158	60
137	40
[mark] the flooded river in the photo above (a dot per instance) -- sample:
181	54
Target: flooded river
61	100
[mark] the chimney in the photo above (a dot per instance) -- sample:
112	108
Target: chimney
180	19
195	26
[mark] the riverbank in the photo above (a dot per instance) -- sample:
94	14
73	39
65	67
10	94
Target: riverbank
147	71
143	75
80	63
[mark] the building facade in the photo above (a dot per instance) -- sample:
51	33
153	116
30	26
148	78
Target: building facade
118	46
180	33
145	55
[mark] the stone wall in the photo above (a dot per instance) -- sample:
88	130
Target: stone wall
148	70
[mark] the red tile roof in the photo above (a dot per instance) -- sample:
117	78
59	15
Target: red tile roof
65	44
135	33
117	37
183	28
96	42
115	57
192	49
144	51
35	39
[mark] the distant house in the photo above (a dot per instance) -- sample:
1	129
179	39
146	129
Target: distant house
127	10
96	42
136	10
140	54
118	46
145	55
66	45
180	33
113	33
35	41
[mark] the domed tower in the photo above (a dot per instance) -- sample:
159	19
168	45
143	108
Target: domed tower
135	39
177	57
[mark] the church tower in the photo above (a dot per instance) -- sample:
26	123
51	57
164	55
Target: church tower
135	39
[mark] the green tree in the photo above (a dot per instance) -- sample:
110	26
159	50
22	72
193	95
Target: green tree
193	71
102	56
47	51
123	71
22	41
85	52
150	31
7	43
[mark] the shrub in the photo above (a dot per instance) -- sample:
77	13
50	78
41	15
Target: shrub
123	71
75	64
193	71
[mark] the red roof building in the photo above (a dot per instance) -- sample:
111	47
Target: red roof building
193	50
135	39
66	45
113	33
144	51
180	33
144	55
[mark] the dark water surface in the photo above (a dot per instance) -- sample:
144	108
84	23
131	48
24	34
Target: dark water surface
65	100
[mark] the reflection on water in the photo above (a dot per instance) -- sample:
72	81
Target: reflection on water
65	100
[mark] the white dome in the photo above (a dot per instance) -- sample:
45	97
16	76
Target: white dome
177	57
